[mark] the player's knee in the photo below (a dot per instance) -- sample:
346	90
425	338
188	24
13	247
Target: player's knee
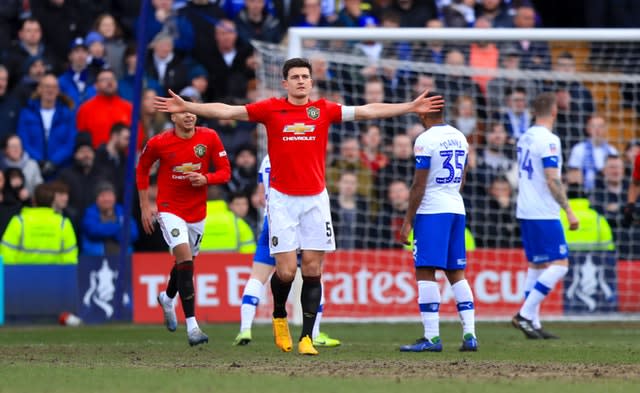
285	274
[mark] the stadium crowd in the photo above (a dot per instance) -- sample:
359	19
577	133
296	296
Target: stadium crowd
66	85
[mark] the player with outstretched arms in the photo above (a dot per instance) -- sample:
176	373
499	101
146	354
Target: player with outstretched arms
298	207
541	195
185	153
263	266
437	212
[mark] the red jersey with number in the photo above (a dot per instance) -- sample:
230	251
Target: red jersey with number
297	142
178	157
636	169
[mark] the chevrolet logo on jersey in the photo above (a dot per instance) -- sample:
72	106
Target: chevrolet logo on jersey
187	167
299	131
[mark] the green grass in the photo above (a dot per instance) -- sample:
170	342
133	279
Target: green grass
590	357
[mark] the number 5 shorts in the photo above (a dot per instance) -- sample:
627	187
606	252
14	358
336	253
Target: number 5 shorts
299	222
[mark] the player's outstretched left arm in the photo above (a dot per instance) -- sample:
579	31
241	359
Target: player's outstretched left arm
217	110
418	188
422	104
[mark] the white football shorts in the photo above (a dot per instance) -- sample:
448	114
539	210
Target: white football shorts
299	222
177	231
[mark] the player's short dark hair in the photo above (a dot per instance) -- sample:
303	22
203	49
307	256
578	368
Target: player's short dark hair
440	111
43	195
543	104
296	62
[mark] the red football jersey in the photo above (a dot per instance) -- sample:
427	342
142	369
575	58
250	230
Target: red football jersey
636	169
297	142
178	156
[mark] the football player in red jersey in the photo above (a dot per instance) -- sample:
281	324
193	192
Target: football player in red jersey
185	153
298	205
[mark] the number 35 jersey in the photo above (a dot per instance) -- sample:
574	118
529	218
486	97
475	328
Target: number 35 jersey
538	148
442	150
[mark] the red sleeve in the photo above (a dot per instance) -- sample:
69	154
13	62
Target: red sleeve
636	170
148	156
221	163
81	123
258	110
335	112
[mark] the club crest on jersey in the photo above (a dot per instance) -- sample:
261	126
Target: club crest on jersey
200	150
313	112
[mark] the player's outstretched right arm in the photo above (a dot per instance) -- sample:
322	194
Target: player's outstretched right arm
216	110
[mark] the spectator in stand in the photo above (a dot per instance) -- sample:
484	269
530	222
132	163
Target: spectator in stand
371	154
349	213
375	92
631	151
497	158
9	105
97	51
229	64
10	18
581	98
609	196
198	84
254	22
165	19
455	84
569	123
15	157
380	7
201	17
16	186
459	13
431	51
464	118
77	177
385	231
47	127
588	157
311	15
111	158
39	235
77	82
534	55
9	205
226	232
28	45
152	122
114	44
416	13
60	197
498	87
516	118
240	206
353	15
165	65
483	54
61	21
496	11
126	83
35	69
103	224
400	166
244	174
494	223
349	160
100	113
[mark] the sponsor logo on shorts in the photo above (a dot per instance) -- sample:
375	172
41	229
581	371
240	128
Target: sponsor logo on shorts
274	241
175	232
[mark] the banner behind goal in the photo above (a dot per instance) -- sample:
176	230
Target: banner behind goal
488	78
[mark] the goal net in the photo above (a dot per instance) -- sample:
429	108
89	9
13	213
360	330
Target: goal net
488	79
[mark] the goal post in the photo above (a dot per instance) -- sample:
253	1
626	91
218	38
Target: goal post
592	71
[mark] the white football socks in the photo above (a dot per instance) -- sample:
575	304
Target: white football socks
529	282
466	308
252	291
429	302
545	283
